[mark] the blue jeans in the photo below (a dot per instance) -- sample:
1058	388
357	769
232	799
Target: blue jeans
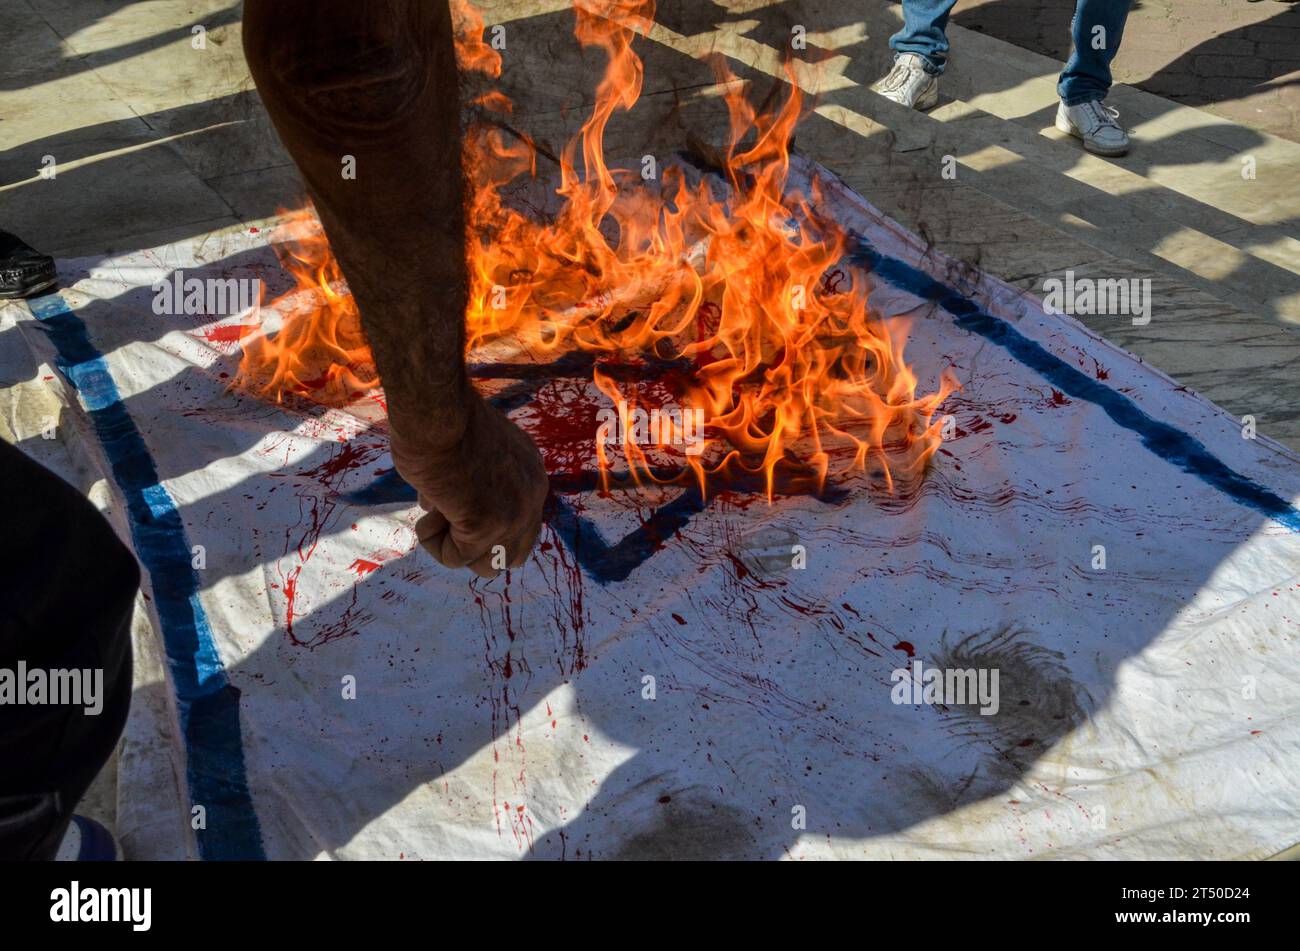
1086	76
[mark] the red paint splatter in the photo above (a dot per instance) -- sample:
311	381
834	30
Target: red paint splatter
228	333
707	321
349	457
904	646
290	592
318	509
564	426
363	567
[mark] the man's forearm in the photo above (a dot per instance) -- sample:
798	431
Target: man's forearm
377	81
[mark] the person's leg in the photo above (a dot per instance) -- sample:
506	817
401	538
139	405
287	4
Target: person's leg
920	55
67	587
1097	28
924	22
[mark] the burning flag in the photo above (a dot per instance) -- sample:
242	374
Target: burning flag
736	282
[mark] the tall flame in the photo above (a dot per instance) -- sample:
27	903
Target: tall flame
740	290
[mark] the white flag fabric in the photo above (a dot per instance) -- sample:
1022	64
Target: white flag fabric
1098	549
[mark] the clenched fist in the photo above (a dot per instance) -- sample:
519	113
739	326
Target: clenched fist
485	489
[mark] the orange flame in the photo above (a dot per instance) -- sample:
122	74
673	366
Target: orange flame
790	371
320	351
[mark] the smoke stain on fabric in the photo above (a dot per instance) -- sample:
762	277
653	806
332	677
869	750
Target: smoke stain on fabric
1038	700
689	827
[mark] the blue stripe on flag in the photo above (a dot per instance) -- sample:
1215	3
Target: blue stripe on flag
1170	444
207	702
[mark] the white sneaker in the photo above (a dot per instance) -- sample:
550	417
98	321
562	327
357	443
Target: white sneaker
1094	122
908	84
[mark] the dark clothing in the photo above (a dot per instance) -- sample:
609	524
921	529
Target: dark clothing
67	586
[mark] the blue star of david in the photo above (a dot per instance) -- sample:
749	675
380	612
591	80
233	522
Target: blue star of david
604	562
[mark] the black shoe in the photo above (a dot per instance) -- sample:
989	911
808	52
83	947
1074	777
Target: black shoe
24	271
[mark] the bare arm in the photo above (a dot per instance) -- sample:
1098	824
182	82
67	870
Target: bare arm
378	81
